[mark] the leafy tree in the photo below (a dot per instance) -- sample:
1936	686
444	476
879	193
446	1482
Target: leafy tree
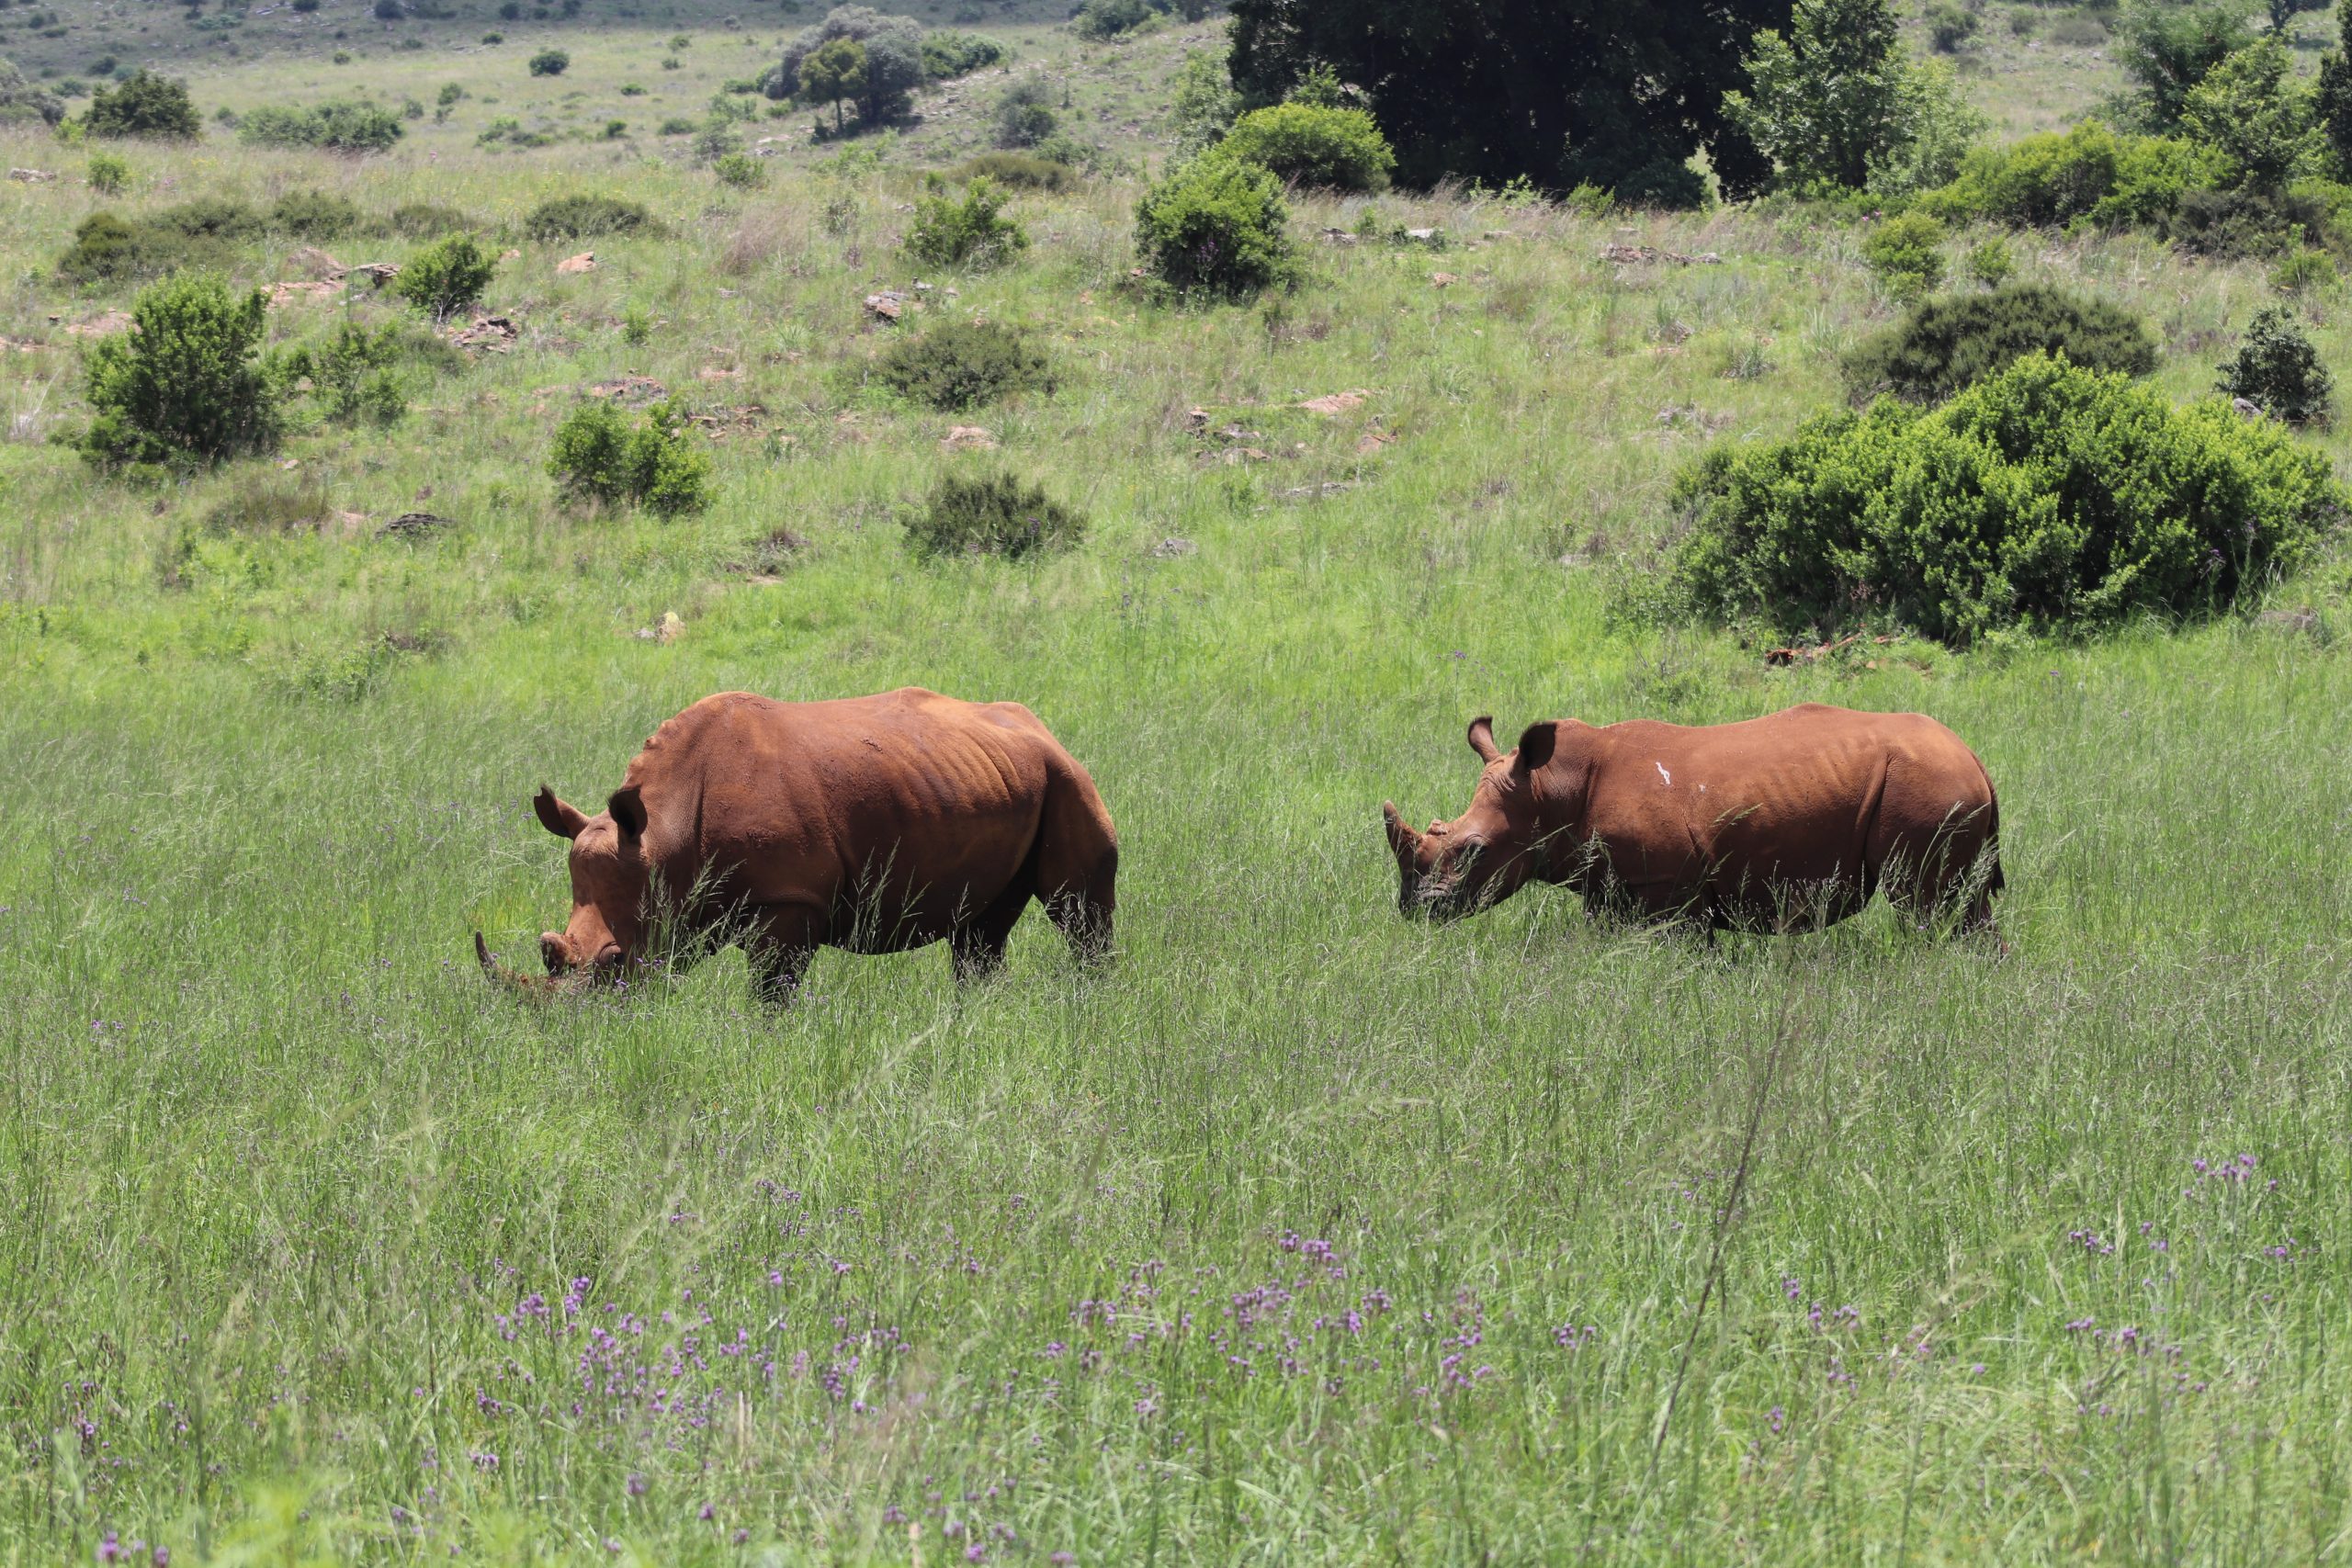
1561	92
2252	111
21	102
1025	115
143	104
832	73
186	385
550	62
894	65
2285	11
2279	371
1206	104
2332	95
2167	49
1836	101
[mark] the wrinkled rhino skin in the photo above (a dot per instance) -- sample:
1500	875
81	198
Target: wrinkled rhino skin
873	824
1786	822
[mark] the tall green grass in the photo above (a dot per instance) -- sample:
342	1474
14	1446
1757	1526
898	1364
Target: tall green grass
1302	1234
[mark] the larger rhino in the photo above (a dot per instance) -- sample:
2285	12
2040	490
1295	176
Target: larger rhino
873	824
1792	820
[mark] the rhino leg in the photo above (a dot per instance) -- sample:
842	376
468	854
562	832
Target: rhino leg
977	944
781	942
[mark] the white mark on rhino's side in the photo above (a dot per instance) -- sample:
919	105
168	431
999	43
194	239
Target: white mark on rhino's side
1703	789
1663	774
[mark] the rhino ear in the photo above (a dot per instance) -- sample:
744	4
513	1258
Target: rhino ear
628	808
1536	744
1482	740
563	821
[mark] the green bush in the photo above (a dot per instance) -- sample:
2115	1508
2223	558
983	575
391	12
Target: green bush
962	364
550	62
2047	498
2089	174
23	103
343	126
314	215
2279	371
2241	223
1025	115
193	236
587	217
996	515
971	232
446	276
1991	264
1339	149
1951	27
1101	19
107	173
1907	252
1017	171
2305	270
741	170
1215	225
1946	345
354	373
424	221
656	464
947	54
185	386
144	105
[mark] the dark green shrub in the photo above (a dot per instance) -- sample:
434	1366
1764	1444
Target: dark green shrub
105	248
185	386
193	236
1340	148
2046	498
2279	371
145	104
1946	345
971	232
446	276
1025	115
550	62
1215	225
741	170
962	364
992	516
2089	174
313	215
344	126
1951	26
354	373
1100	19
1990	262
423	220
1016	171
2305	270
656	464
946	54
587	217
1907	252
2241	223
22	103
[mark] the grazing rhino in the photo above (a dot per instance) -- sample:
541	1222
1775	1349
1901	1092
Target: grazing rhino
1790	820
873	824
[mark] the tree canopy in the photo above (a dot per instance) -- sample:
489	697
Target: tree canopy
1560	92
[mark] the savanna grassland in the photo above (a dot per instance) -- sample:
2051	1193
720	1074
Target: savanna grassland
1304	1234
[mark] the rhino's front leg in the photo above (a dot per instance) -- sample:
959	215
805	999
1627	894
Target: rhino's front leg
783	939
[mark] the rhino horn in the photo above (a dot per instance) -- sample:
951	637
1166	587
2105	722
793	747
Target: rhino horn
500	975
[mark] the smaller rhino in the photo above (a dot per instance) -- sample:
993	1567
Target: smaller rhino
1792	821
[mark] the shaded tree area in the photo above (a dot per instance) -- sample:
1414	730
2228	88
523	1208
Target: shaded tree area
1561	92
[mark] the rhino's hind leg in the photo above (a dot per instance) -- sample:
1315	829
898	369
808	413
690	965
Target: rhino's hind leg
779	945
1077	866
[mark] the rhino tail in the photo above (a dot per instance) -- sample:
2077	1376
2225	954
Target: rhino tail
1993	881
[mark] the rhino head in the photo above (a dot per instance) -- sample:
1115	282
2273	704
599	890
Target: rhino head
610	879
1487	854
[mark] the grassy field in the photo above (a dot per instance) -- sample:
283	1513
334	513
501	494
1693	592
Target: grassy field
1303	1234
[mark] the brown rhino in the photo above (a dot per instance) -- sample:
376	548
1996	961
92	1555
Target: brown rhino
1790	820
873	824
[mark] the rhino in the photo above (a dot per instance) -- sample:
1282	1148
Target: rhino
1785	822
873	824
